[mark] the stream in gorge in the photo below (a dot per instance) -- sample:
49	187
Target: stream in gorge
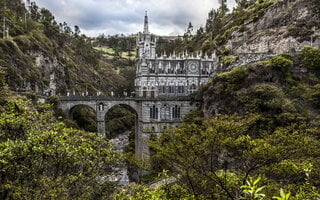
120	142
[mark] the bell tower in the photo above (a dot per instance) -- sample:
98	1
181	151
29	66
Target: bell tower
146	43
146	24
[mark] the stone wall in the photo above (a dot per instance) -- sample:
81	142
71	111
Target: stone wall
248	58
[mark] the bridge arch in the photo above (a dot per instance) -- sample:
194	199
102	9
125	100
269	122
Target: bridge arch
75	105
101	105
127	107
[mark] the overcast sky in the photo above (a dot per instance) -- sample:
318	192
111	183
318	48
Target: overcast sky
166	17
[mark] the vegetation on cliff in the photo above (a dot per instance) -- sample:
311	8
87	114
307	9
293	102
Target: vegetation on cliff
257	26
40	54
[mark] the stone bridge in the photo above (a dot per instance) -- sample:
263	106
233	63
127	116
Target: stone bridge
152	115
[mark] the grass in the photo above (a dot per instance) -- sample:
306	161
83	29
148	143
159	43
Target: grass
106	50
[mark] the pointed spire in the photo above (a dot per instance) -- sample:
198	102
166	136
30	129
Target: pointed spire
146	24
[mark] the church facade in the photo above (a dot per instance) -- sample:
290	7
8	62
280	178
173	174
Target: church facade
164	83
169	76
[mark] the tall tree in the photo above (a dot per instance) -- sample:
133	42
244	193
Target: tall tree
189	30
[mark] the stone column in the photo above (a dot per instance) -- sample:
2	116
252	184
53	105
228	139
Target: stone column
138	138
101	128
101	125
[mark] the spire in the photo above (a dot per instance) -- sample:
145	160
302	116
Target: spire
146	25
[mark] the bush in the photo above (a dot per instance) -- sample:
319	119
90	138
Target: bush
281	64
311	59
42	159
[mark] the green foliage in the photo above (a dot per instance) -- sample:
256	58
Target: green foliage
191	151
228	60
85	117
283	195
226	52
233	79
220	40
139	192
281	64
119	42
271	131
3	89
119	120
314	95
214	156
207	46
166	192
168	44
251	190
42	159
311	59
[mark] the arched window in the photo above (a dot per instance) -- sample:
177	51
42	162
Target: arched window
165	112
171	89
101	106
193	88
152	92
154	112
180	89
162	89
176	112
144	92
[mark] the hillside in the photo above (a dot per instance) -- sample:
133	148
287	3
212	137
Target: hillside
275	26
45	57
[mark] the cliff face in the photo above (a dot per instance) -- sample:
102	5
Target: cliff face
39	55
53	71
260	26
285	26
36	63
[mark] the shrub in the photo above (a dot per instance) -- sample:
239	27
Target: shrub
311	59
281	64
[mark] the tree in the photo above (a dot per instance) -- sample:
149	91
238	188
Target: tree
242	3
200	31
214	157
34	10
42	159
189	31
3	84
48	20
311	59
76	31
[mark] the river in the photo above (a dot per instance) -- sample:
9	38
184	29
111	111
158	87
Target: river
119	143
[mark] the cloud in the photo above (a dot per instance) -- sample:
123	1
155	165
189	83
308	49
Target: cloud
110	17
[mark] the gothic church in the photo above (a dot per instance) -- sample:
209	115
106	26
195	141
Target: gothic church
168	76
163	85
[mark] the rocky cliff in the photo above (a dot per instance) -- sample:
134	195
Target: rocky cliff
285	26
259	26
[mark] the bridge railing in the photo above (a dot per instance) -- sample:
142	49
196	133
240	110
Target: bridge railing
108	98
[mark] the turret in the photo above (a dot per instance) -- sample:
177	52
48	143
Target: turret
146	44
146	24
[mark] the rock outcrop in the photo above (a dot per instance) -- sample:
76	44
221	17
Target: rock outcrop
285	26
